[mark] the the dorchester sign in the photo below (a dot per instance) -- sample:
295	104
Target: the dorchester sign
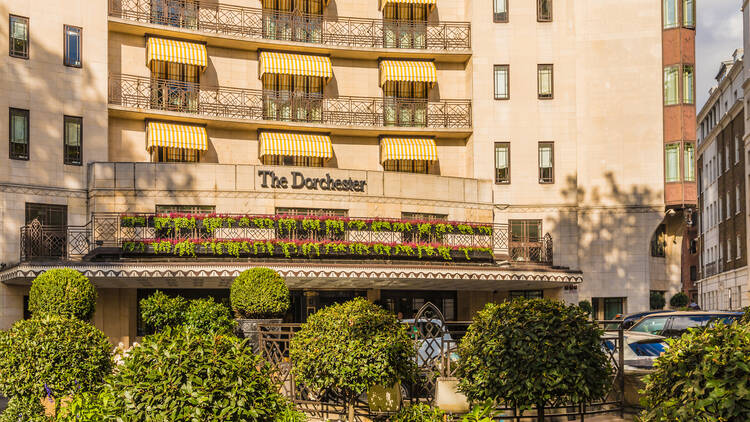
269	179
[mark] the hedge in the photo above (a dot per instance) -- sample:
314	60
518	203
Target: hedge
62	292
259	293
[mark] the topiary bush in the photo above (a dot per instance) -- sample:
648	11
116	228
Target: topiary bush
348	347
679	300
160	311
63	354
62	292
208	316
703	376
586	307
259	293
419	413
554	347
657	301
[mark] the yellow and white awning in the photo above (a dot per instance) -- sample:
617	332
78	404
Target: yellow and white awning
176	52
407	71
418	149
176	136
430	3
295	64
295	144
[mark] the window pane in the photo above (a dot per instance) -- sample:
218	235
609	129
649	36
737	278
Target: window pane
72	46
544	10
501	82
672	157
18	134
670	85
501	10
545	80
688	13
545	163
19	37
670	13
502	163
688	84
689	163
72	140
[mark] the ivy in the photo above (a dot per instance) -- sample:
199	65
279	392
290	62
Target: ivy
287	224
162	222
424	228
213	223
485	230
264	223
402	227
309	225
465	229
185	247
244	222
163	246
381	226
334	227
441	228
445	252
130	221
184	223
357	224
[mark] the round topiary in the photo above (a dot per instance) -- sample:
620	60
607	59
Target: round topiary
63	355
555	347
259	293
703	376
657	301
585	306
62	292
679	300
348	347
160	311
208	316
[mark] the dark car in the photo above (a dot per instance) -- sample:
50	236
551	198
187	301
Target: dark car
630	320
675	324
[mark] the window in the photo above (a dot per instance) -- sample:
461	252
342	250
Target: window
729	206
407	166
500	12
72	46
671	85
73	140
670	14
613	306
185	209
525	240
738	200
546	162
693	273
737	149
502	162
739	247
19	37
672	165
177	13
18	134
317	212
659	242
545	82
689	163
688	84
652	325
174	86
544	10
404	25
424	216
502	82
288	160
526	294
688	13
175	155
728	253
292	97
47	214
726	158
405	103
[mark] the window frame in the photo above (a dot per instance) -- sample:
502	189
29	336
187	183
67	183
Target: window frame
499	17
66	161
666	163
10	37
542	180
685	23
685	85
507	152
688	162
539	17
539	68
11	112
66	61
677	21
676	69
495	69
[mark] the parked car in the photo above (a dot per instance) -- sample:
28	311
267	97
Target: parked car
630	320
641	349
675	324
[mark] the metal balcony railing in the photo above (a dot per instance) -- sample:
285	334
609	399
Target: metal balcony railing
246	22
184	97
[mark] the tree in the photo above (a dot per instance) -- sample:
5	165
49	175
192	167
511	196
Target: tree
259	293
657	301
585	306
62	292
679	300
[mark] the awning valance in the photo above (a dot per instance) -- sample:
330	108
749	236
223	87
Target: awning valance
295	64
407	71
430	3
176	136
177	52
295	144
418	149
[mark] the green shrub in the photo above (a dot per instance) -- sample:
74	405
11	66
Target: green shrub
746	316
259	293
62	292
351	346
208	316
657	301
585	306
703	376
160	311
64	354
419	413
530	352
23	410
290	414
679	300
102	405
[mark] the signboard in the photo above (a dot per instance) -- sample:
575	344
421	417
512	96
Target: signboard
297	180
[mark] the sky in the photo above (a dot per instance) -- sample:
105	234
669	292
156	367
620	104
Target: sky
718	34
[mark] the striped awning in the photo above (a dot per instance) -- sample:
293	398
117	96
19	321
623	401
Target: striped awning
176	136
407	71
295	144
423	149
295	64
177	52
430	3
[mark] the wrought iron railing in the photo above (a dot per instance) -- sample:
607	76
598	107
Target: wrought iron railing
115	231
254	23
252	104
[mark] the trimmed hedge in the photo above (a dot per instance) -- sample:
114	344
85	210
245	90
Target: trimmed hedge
259	293
62	292
208	316
160	311
679	300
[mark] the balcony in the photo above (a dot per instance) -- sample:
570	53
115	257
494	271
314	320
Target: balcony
258	24
144	93
113	236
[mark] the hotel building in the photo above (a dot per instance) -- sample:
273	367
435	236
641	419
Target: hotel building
403	150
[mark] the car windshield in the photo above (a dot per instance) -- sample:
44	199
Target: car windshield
653	325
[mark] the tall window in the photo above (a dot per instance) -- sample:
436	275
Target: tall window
500	11
671	13
405	25
73	140
659	241
19	37
292	97
737	149
689	163
405	103
502	162
72	35
175	86
177	13
294	20
672	162
729	206
739	247
671	85
544	10
19	134
546	162
688	13
738	199
502	82
525	240
688	84
545	81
